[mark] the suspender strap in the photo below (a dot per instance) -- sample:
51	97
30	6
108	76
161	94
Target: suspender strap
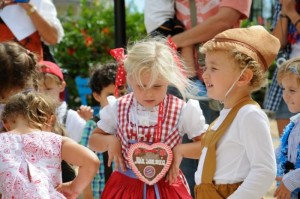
193	12
211	138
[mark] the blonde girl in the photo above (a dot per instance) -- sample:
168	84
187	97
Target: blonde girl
147	115
288	152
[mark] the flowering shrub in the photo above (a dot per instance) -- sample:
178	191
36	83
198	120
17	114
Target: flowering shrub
89	35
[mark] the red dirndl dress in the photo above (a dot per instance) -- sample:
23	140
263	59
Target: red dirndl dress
125	184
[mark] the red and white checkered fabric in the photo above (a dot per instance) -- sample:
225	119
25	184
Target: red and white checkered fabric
127	129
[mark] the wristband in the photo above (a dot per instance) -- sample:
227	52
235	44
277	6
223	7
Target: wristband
31	10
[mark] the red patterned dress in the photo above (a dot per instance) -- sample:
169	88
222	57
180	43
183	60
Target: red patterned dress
30	165
132	118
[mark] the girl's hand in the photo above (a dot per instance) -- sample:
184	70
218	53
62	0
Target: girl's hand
282	191
115	154
67	190
174	170
86	112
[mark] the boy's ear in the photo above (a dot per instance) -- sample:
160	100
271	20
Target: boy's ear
246	77
97	96
62	86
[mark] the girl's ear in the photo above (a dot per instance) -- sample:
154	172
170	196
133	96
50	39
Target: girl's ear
246	77
49	124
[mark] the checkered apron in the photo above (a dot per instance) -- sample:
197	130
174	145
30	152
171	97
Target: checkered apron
127	130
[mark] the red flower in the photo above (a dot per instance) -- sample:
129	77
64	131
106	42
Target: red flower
106	31
71	51
88	41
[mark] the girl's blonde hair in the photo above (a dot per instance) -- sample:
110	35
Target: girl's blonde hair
154	55
36	108
291	66
259	78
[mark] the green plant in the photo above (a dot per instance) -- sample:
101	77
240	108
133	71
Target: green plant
89	36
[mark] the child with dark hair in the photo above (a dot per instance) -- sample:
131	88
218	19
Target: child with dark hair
102	84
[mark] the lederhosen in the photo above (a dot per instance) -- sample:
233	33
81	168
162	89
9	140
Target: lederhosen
208	189
32	42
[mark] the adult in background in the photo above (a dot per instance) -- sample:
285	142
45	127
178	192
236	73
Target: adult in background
30	23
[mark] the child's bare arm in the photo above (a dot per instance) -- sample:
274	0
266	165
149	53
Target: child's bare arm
87	162
189	150
101	141
187	53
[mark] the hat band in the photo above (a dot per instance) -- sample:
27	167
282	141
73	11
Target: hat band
246	46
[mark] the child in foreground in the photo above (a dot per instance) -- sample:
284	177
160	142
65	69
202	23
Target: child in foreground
148	115
31	155
288	152
236	158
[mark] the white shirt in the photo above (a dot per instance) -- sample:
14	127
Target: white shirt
245	153
156	12
74	124
20	24
191	120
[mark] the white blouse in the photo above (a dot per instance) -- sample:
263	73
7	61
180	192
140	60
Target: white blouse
191	120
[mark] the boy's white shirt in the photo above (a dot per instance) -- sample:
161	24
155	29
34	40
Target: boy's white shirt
245	153
74	123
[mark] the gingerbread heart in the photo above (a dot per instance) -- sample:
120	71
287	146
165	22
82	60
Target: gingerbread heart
150	163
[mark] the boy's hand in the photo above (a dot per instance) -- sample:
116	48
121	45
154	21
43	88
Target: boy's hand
174	170
282	191
115	154
67	190
86	112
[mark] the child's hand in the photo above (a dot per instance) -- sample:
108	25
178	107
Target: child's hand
67	190
174	169
86	112
282	191
115	154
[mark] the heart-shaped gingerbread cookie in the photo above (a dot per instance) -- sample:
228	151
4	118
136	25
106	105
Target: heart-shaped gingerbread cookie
150	162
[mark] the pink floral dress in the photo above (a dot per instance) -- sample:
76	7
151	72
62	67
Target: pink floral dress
30	165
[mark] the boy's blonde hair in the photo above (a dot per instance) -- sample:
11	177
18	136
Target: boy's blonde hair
155	55
248	48
259	76
291	66
36	108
